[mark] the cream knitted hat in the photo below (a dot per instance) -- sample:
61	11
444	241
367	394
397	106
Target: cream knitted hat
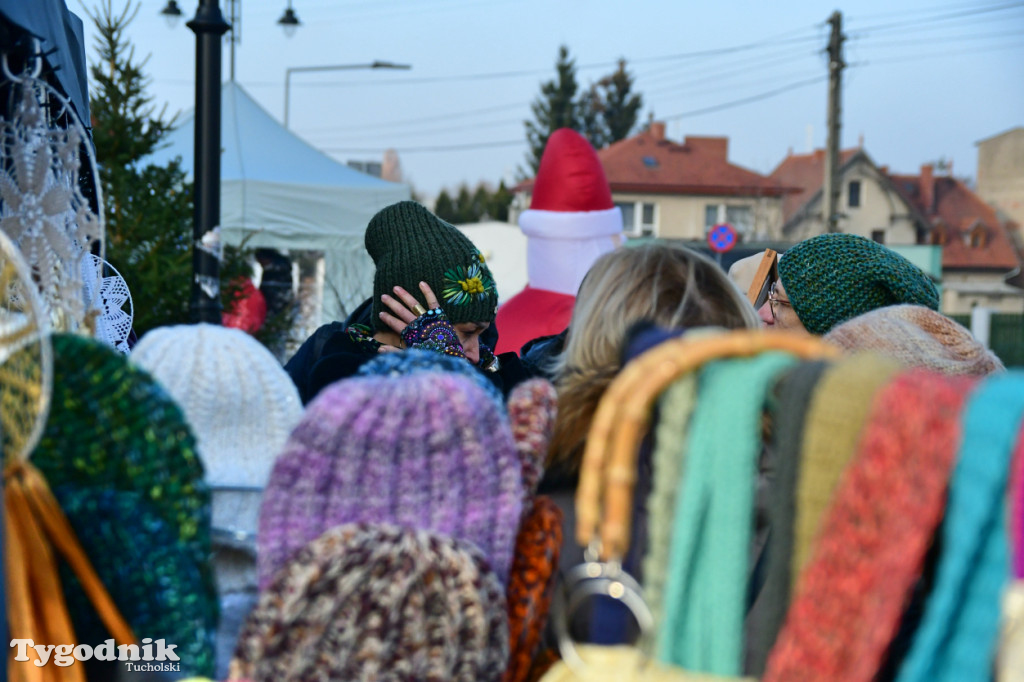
917	336
239	401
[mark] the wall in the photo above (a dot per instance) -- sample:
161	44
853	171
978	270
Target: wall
963	291
880	209
1001	173
682	217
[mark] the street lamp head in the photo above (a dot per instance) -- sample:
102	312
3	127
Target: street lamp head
171	13
288	21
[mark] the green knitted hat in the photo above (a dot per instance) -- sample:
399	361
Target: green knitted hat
409	245
833	277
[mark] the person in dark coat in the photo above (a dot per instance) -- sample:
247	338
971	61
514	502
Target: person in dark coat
431	289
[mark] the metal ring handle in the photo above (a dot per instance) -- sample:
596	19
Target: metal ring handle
590	580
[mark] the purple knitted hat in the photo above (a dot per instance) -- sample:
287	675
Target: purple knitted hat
377	602
427	450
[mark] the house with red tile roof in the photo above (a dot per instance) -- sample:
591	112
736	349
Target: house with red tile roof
978	253
678	190
979	261
869	205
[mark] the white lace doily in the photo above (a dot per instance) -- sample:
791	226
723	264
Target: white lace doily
113	323
42	208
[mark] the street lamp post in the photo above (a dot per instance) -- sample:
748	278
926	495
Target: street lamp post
340	67
208	25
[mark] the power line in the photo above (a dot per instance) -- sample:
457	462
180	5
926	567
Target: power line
443	148
913	12
472	113
944	53
438	131
942	17
746	100
740	69
932	41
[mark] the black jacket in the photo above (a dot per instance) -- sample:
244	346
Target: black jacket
332	353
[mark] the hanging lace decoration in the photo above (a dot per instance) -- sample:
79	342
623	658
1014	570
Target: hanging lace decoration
42	208
113	323
26	360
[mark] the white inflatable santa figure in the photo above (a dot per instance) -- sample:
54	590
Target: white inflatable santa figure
571	222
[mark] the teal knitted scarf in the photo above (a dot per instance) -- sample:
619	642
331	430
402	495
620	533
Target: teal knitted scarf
705	593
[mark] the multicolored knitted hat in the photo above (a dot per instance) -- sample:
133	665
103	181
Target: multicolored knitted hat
833	277
427	450
917	337
418	360
112	427
531	584
377	602
157	588
532	407
239	401
409	245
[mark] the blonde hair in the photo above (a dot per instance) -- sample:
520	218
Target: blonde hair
670	286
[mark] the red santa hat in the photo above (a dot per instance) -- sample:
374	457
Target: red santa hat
571	197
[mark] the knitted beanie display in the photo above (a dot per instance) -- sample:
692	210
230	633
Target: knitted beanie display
239	401
409	245
833	277
381	603
917	337
851	596
112	427
156	587
418	360
427	450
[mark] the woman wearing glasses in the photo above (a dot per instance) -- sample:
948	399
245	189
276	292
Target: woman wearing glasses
828	279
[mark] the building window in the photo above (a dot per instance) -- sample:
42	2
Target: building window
978	237
853	194
639	219
878	236
740	217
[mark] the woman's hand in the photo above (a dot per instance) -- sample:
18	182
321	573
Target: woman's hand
419	328
406	308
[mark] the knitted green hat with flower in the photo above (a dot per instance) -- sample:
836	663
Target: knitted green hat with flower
409	245
832	278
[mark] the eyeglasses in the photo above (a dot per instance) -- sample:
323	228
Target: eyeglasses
774	300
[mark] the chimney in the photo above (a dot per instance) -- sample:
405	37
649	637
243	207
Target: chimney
658	130
927	185
717	147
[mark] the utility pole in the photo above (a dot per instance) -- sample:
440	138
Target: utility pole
835	71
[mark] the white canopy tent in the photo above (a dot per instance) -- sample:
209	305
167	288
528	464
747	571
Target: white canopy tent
279	192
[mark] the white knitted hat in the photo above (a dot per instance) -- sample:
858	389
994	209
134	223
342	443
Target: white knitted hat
240	403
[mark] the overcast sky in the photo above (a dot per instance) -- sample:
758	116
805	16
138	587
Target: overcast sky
926	80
